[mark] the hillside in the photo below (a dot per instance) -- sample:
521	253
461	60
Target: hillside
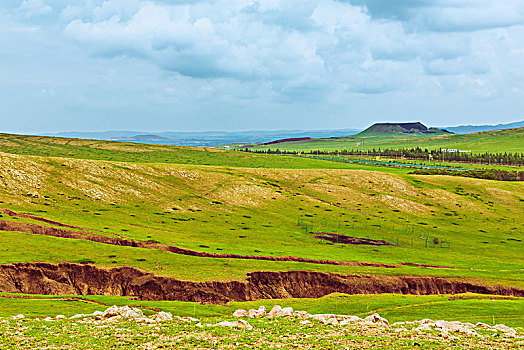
250	226
401	128
468	129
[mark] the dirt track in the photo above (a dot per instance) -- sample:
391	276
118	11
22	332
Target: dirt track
74	279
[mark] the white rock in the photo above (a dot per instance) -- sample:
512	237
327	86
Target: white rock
74	317
97	313
301	314
235	324
240	313
60	317
124	311
276	311
18	317
144	320
350	320
48	319
504	328
332	321
482	325
113	318
354	319
424	327
110	312
244	324
376	319
163	316
305	322
320	317
287	311
128	312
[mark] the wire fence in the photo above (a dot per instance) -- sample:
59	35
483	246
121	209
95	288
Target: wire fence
394	233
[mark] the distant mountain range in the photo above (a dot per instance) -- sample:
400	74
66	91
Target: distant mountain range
216	138
204	138
468	129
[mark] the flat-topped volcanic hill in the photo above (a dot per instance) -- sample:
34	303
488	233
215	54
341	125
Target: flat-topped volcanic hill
401	128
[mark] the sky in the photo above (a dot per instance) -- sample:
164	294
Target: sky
195	65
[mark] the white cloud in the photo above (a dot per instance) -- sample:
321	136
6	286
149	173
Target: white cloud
336	44
307	53
33	8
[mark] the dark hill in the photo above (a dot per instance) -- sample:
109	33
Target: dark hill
401	128
294	139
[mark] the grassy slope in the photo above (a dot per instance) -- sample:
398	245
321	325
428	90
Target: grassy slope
237	207
508	140
396	308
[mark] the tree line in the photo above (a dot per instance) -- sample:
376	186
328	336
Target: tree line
493	158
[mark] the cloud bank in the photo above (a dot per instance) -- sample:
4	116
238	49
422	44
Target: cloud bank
285	55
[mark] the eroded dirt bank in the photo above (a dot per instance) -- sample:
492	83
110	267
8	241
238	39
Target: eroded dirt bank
75	279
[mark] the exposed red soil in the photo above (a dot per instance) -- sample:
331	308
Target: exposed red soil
74	279
57	232
426	265
292	139
338	238
33	217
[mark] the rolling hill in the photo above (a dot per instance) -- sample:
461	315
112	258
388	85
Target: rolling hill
401	128
215	226
468	129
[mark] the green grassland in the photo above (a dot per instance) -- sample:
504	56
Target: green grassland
508	140
285	333
232	202
462	307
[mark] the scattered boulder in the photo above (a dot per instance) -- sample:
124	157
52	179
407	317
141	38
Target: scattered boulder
377	320
276	311
332	321
18	317
261	310
287	311
301	314
163	316
240	313
350	320
116	318
235	324
505	329
74	317
123	311
483	326
60	317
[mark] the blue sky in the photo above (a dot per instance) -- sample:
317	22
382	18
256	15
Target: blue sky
186	65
